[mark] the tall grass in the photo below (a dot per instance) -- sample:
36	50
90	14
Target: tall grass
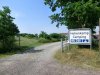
30	42
82	57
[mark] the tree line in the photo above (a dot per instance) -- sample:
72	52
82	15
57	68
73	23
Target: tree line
43	37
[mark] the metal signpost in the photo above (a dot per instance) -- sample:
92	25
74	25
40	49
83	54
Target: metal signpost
80	36
99	35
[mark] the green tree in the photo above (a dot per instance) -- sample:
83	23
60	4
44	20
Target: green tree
75	13
36	35
7	28
55	36
44	35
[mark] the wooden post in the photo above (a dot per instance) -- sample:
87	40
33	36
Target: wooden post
19	40
61	44
99	34
91	39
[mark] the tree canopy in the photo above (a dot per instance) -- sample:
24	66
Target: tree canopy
8	28
43	35
75	13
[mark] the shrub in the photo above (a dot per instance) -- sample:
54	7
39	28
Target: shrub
55	36
7	45
43	40
54	40
94	44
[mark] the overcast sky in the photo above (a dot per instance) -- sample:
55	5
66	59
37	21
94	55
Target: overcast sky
32	16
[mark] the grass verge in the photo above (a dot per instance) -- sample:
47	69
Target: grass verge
6	55
30	42
25	43
85	58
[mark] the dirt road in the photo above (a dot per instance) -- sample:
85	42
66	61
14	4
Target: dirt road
39	61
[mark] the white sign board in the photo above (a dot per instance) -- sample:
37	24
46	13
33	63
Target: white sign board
80	36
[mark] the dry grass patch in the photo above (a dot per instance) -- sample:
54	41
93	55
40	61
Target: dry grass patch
79	57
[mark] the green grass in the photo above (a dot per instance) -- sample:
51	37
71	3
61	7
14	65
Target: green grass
85	58
30	42
25	43
5	55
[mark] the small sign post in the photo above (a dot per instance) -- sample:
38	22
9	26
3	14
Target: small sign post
61	44
19	39
80	36
99	35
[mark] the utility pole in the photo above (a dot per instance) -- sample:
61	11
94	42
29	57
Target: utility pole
99	34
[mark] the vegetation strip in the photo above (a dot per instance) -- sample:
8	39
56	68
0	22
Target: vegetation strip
80	57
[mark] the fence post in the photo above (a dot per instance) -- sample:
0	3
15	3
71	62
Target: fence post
19	40
99	35
62	45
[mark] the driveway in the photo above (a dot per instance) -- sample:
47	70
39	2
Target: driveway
40	61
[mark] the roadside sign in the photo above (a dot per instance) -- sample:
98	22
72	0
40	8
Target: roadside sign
80	36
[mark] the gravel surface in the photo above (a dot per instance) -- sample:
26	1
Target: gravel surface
40	61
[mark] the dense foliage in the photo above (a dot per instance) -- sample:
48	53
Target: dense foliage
8	29
75	13
29	35
43	37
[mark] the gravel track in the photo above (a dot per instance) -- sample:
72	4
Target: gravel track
39	61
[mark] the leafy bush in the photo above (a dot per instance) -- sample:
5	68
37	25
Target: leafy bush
44	35
28	35
54	40
7	45
55	36
94	44
43	40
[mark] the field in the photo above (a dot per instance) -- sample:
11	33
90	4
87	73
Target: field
28	42
25	43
